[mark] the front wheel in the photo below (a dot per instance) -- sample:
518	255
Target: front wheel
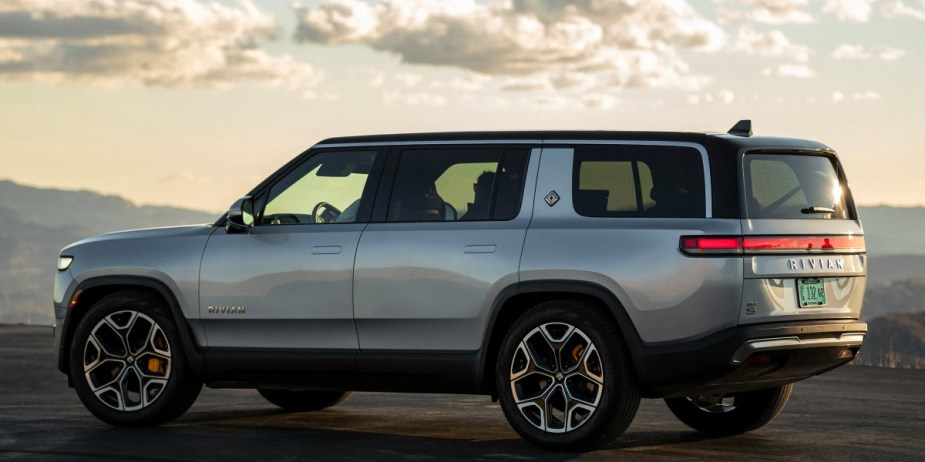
127	362
731	414
299	401
564	377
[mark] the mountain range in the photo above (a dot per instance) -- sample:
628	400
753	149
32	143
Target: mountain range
36	223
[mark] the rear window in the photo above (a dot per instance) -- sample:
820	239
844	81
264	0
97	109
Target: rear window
794	187
638	181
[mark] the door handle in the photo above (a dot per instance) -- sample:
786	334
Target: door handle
490	248
326	249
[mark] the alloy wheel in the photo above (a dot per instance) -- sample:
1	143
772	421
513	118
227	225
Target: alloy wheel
127	361
557	377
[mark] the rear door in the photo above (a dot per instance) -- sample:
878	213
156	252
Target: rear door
803	241
448	241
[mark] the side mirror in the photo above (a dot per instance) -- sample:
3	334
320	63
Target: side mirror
241	214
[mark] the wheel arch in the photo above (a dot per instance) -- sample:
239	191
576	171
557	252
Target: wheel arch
519	298
94	289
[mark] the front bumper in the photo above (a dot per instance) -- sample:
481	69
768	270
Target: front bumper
719	363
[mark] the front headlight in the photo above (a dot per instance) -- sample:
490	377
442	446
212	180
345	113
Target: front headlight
64	262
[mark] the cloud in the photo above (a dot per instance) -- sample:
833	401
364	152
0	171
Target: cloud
766	11
168	43
412	99
799	71
722	97
899	9
604	102
860	52
868	95
849	10
622	44
769	44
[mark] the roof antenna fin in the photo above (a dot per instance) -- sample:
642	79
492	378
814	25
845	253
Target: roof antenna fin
741	128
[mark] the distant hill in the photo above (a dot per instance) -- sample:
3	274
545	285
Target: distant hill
895	297
883	270
90	212
35	224
895	340
893	230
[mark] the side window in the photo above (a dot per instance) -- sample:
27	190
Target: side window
458	185
327	188
638	181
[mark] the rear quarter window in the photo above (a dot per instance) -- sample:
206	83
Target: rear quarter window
638	181
794	187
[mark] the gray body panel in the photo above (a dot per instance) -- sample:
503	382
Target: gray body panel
668	295
418	287
295	282
770	286
169	256
432	286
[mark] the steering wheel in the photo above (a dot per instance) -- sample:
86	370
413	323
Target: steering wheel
325	212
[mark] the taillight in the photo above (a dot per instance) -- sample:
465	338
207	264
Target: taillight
800	244
752	245
708	245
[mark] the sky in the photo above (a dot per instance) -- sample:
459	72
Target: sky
192	103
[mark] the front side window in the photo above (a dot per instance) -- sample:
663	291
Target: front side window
638	181
327	188
793	186
458	185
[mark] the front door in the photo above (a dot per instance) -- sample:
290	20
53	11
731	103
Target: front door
287	283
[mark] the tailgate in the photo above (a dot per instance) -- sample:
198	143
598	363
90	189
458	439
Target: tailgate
803	244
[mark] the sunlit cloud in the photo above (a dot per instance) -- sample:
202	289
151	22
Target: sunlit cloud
720	97
799	71
600	101
868	95
621	44
167	43
850	10
860	52
900	9
769	44
413	99
765	11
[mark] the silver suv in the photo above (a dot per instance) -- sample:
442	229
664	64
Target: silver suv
565	274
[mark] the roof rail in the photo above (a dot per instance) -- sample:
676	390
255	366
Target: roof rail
741	128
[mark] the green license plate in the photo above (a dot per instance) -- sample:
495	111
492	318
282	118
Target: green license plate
811	291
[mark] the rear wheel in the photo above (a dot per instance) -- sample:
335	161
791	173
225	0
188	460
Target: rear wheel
731	414
564	378
298	401
127	363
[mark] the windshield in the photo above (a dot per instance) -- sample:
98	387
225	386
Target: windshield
794	186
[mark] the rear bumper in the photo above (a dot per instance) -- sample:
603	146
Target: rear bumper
789	352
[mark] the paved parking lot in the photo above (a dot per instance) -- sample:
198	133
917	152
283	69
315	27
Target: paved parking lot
855	413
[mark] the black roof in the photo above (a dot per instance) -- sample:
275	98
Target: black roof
550	136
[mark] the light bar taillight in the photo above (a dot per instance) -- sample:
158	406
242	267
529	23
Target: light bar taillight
750	245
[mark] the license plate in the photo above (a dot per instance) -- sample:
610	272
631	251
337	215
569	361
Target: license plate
811	292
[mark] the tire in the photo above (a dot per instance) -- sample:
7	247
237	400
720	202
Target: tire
127	362
564	377
301	401
731	414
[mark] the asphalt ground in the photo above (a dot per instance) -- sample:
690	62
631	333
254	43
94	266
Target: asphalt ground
854	413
